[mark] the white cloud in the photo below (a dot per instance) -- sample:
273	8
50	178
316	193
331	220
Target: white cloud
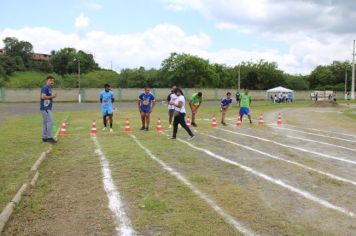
94	6
82	21
225	26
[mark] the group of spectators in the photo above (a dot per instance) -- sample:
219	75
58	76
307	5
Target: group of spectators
282	97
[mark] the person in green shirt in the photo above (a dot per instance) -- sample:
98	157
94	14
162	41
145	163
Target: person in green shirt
244	104
194	104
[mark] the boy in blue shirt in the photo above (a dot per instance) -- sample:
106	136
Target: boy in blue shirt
225	103
146	102
106	100
46	110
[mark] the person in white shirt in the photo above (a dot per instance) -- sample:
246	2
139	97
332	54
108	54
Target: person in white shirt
171	97
179	114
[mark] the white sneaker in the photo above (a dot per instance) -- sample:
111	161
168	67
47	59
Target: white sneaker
111	131
191	138
104	129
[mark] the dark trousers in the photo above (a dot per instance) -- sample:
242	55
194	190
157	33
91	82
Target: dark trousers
180	120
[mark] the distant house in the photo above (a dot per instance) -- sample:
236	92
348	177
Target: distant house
34	56
40	57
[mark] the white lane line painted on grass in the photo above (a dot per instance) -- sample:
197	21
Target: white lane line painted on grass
237	225
320	135
292	147
325	131
300	192
324	143
286	160
115	202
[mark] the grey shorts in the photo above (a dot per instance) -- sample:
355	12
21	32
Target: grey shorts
171	112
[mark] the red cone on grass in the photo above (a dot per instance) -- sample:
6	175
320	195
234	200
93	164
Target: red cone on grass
63	130
93	128
238	122
214	124
260	120
188	122
159	126
279	119
127	126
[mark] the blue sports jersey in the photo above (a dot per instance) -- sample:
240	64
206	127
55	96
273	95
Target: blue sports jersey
106	98
146	100
225	101
46	104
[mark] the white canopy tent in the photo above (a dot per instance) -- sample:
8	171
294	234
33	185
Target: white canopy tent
278	90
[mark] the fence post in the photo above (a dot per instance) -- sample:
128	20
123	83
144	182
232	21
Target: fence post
82	94
119	94
2	95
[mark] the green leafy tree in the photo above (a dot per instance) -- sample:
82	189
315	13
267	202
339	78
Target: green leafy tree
16	48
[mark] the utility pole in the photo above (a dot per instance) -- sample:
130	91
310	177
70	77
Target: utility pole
353	74
346	83
239	78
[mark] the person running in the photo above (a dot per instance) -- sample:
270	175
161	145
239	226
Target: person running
194	103
106	100
171	97
146	102
46	103
244	104
225	103
179	117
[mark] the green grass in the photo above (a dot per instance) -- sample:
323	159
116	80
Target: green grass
351	113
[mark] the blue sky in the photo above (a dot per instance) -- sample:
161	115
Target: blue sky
298	35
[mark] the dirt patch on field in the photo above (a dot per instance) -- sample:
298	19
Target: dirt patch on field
325	104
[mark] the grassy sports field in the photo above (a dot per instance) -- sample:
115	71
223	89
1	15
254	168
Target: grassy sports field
294	179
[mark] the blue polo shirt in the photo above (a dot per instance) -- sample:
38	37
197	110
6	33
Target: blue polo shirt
46	104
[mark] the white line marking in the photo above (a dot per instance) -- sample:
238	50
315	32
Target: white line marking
320	135
328	144
285	160
293	147
325	131
300	192
237	225
115	202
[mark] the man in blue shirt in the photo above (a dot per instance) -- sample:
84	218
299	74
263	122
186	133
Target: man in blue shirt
146	102
225	103
46	103
106	100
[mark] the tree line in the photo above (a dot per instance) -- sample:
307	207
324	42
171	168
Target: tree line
183	70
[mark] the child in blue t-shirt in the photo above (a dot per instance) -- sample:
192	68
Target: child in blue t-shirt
146	102
106	100
224	105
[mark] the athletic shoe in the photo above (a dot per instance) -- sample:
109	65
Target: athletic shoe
44	140
51	140
142	128
250	121
104	129
223	123
195	125
172	138
191	138
170	126
111	131
146	129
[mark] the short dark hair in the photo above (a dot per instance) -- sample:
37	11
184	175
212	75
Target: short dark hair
49	77
178	89
106	85
200	94
228	93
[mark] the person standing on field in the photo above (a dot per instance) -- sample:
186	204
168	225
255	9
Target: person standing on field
106	100
224	105
146	102
244	104
46	103
194	104
171	97
179	116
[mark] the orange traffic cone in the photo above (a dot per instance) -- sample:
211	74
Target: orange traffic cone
63	131
188	122
93	128
213	123
238	122
159	126
279	120
261	121
127	126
